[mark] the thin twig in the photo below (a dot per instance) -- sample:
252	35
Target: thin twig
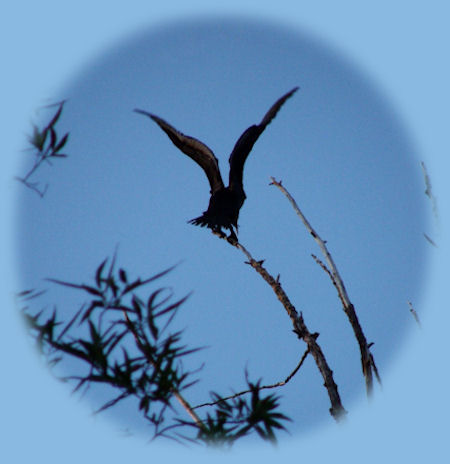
434	207
367	361
274	385
32	185
414	313
429	190
430	240
337	410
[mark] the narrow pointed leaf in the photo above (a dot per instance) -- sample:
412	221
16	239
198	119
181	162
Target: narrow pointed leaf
98	273
53	138
123	276
55	118
60	144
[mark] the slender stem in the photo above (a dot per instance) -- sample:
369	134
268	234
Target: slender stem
414	313
367	361
263	387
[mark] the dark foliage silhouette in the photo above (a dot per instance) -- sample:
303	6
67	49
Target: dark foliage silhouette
46	146
124	341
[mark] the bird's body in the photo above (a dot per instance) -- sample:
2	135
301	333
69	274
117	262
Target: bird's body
223	211
225	202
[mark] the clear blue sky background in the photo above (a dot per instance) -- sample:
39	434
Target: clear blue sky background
348	147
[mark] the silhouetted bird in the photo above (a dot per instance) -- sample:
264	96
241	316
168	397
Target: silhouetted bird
225	202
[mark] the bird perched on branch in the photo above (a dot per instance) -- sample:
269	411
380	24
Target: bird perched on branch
225	202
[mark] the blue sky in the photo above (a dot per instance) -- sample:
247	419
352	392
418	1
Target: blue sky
371	97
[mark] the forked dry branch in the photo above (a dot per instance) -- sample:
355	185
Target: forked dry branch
367	361
336	410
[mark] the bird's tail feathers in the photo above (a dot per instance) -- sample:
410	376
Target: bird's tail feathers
201	221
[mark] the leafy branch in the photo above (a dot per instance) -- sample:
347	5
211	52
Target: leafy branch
124	343
46	145
236	417
123	340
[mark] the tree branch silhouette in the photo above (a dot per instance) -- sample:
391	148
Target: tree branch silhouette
367	360
47	146
337	411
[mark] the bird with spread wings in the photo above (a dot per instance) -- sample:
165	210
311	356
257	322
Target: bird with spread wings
225	202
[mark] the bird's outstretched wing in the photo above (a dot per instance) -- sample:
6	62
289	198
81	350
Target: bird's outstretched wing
195	149
246	141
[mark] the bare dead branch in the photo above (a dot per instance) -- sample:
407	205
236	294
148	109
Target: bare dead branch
263	387
337	411
367	360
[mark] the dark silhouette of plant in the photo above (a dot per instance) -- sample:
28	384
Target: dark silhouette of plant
46	145
236	417
123	340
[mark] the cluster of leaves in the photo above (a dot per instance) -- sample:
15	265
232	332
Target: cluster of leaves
124	341
236	417
46	145
125	344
